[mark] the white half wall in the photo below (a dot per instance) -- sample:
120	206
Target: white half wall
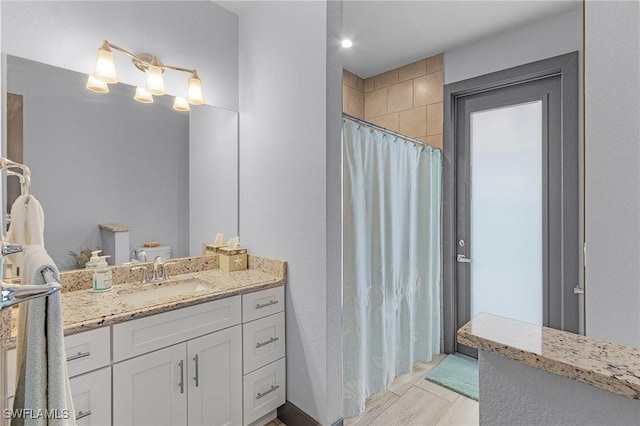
613	171
192	34
283	175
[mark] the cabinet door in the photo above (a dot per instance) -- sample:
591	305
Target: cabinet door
92	397
151	389
215	378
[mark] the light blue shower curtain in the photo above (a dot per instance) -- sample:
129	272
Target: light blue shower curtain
391	227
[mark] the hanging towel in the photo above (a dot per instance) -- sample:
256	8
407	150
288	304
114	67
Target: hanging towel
42	381
27	225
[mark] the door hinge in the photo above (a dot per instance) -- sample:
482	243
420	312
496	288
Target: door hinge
578	290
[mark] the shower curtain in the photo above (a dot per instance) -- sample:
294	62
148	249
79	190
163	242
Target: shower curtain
391	240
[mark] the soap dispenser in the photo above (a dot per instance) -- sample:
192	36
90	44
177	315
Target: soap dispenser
102	278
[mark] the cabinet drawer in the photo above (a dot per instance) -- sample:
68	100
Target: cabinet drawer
263	342
91	394
144	335
262	303
85	351
264	390
88	350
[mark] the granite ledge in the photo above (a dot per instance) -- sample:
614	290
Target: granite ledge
608	366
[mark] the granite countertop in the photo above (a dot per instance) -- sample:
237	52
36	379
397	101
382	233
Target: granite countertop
84	309
605	365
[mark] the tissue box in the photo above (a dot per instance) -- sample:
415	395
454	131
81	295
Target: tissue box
210	248
232	259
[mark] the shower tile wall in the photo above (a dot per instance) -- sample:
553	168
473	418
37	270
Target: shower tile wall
407	100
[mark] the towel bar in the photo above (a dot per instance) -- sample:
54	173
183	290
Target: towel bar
13	294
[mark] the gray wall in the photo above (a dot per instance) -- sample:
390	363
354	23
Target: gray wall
613	177
283	179
512	393
98	158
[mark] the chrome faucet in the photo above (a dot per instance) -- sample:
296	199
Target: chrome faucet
157	262
145	273
165	268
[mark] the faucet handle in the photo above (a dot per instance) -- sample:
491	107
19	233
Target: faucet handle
165	273
145	273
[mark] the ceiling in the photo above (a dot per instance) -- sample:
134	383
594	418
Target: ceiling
389	34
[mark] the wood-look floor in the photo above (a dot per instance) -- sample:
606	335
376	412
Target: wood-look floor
413	401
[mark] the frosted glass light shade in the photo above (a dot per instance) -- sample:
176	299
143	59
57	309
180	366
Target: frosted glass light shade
194	94
155	85
105	67
143	96
181	104
96	85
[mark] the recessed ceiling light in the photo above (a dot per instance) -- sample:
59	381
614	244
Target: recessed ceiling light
347	43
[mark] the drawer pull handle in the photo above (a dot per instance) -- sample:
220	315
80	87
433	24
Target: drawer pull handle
273	388
82	415
79	355
196	378
181	384
264	305
273	339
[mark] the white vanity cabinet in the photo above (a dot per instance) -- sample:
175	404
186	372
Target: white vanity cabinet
215	363
196	382
88	360
264	368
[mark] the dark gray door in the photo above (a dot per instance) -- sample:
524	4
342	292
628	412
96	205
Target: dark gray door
516	206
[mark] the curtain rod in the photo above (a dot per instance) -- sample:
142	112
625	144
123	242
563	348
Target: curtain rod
384	130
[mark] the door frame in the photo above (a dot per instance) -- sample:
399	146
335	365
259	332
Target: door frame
567	67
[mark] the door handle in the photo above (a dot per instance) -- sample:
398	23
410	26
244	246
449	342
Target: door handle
461	258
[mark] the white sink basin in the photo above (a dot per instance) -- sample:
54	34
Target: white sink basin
152	293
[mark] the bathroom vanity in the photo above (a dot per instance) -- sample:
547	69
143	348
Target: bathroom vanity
537	375
204	347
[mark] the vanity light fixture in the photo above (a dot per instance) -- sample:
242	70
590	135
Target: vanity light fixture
105	74
346	43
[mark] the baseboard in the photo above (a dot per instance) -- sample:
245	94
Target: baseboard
291	415
339	422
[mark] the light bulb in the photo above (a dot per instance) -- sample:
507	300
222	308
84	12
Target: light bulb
96	85
105	67
181	104
194	94
346	43
155	85
143	96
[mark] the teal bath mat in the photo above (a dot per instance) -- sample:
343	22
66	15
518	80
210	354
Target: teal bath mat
460	374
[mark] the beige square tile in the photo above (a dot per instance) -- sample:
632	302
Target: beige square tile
356	103
434	119
403	382
400	97
413	70
440	391
375	103
374	406
428	89
434	63
463	412
413	122
368	84
415	407
349	79
388	121
345	98
386	79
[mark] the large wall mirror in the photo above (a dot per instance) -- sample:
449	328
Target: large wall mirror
105	158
